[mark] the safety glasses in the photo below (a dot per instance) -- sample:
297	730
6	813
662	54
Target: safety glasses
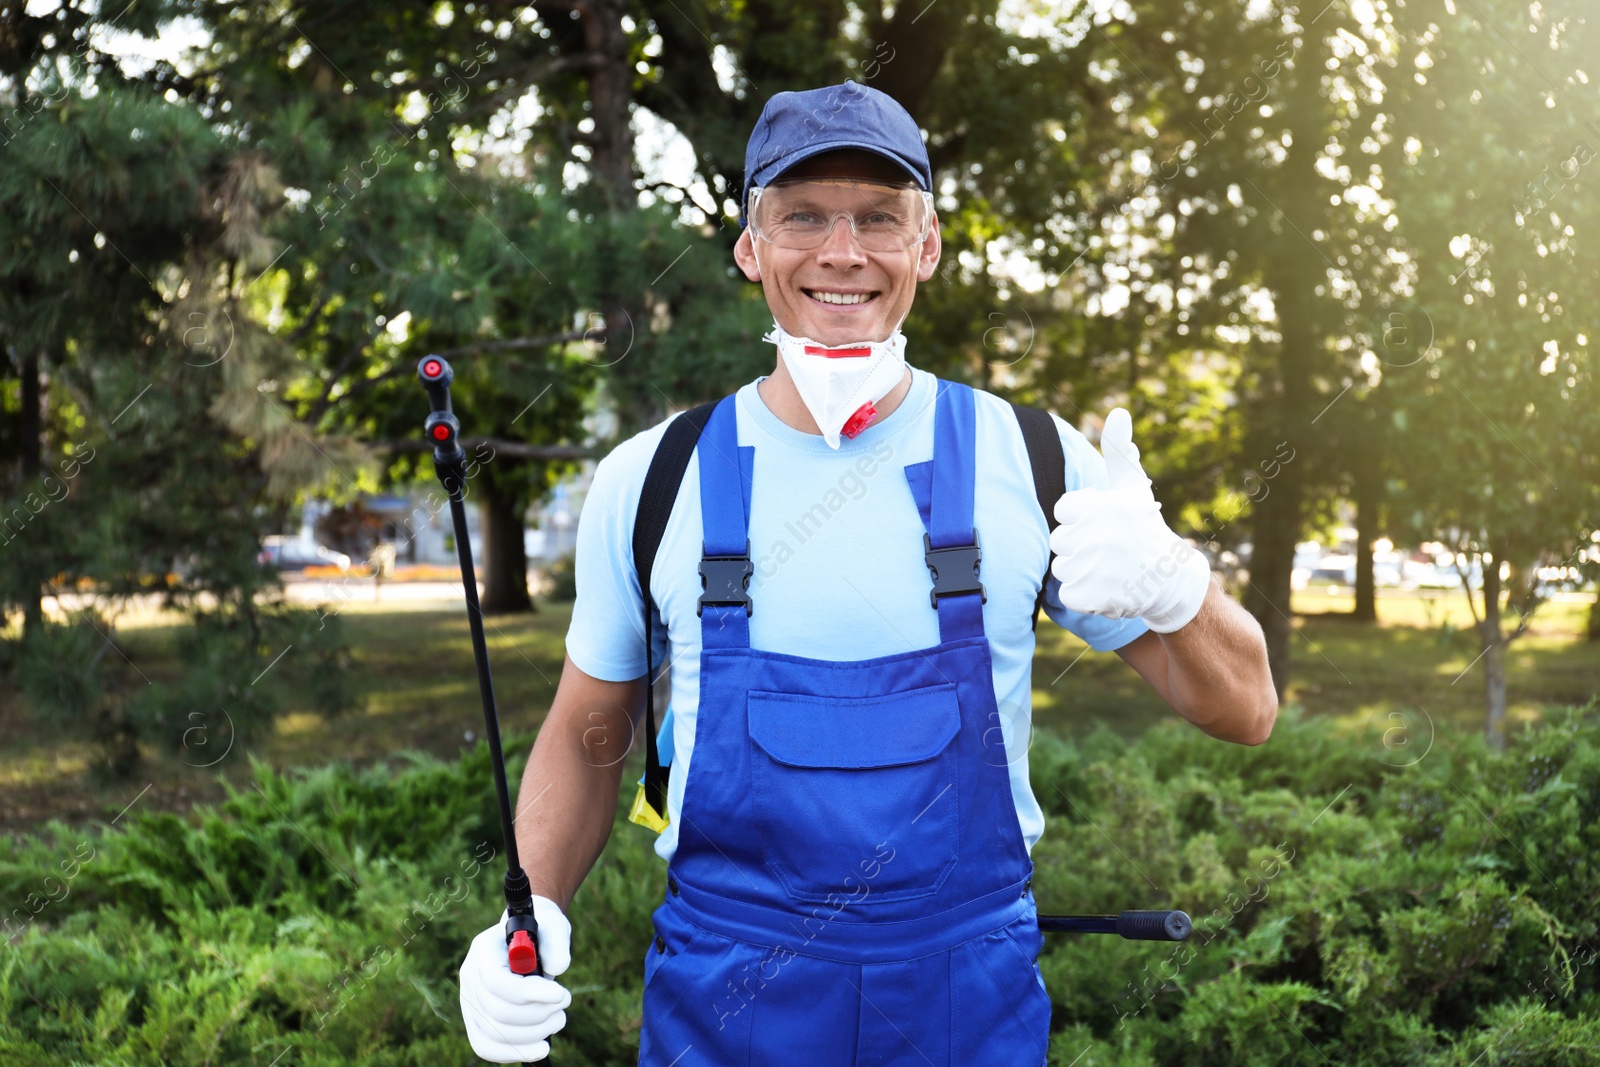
801	214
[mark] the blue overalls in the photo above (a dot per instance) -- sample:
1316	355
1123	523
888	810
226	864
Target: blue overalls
850	885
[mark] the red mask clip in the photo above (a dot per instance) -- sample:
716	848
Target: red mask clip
860	420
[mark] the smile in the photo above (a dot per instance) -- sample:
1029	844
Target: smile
823	296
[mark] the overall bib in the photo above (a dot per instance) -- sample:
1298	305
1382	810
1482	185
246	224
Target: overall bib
850	885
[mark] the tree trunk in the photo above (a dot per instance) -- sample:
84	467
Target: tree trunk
1494	659
1275	529
505	564
30	422
610	93
1286	407
611	81
1366	494
1281	413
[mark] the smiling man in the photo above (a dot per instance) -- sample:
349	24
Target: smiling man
849	820
828	282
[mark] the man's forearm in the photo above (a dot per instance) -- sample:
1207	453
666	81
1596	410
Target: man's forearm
568	799
1217	673
565	810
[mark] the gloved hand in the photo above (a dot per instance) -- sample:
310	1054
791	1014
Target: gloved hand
510	1016
1113	553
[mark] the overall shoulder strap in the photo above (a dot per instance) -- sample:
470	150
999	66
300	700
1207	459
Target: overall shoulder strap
1049	463
661	483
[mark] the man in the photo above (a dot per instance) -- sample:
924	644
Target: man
849	817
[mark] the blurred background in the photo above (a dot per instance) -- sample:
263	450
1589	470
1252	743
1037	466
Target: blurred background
1340	259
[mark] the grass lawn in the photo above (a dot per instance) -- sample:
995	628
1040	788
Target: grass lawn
416	688
1419	662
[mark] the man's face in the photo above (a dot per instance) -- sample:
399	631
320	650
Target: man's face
793	280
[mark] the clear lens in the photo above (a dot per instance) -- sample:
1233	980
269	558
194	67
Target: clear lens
801	215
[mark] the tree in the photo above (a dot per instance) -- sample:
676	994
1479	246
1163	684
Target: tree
1493	159
413	230
1253	127
132	229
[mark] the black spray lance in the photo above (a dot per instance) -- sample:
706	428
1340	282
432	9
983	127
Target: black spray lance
449	462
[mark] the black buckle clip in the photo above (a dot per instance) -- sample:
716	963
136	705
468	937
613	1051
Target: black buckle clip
725	581
959	564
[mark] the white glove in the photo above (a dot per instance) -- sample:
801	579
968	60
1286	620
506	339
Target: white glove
510	1016
1113	553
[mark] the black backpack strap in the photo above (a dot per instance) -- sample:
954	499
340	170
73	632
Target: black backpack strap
656	499
1049	463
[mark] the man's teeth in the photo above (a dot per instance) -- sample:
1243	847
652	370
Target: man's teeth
841	298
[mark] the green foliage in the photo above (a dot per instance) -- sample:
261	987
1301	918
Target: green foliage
561	579
324	912
159	463
1360	236
1503	298
1346	911
239	670
1344	907
248	664
76	689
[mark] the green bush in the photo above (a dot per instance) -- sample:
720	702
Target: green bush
239	672
76	679
1346	911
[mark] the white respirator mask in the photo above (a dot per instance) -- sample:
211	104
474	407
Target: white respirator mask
840	384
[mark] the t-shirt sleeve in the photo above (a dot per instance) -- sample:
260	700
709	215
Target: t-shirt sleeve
1086	469
605	638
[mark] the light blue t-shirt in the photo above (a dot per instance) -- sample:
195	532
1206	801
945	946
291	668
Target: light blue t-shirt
836	540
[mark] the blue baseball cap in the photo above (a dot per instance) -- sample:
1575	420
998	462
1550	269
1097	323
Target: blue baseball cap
795	126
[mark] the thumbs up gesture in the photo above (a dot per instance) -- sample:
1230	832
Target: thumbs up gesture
1114	555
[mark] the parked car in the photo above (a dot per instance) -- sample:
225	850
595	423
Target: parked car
1444	576
1307	555
294	554
1394	573
1389	571
1333	570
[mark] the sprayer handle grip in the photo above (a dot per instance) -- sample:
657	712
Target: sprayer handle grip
435	374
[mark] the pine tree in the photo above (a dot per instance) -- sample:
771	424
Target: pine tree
132	229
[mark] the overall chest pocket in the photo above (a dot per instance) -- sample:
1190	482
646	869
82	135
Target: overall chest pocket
857	798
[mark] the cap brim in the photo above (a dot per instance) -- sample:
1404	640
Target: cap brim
812	151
